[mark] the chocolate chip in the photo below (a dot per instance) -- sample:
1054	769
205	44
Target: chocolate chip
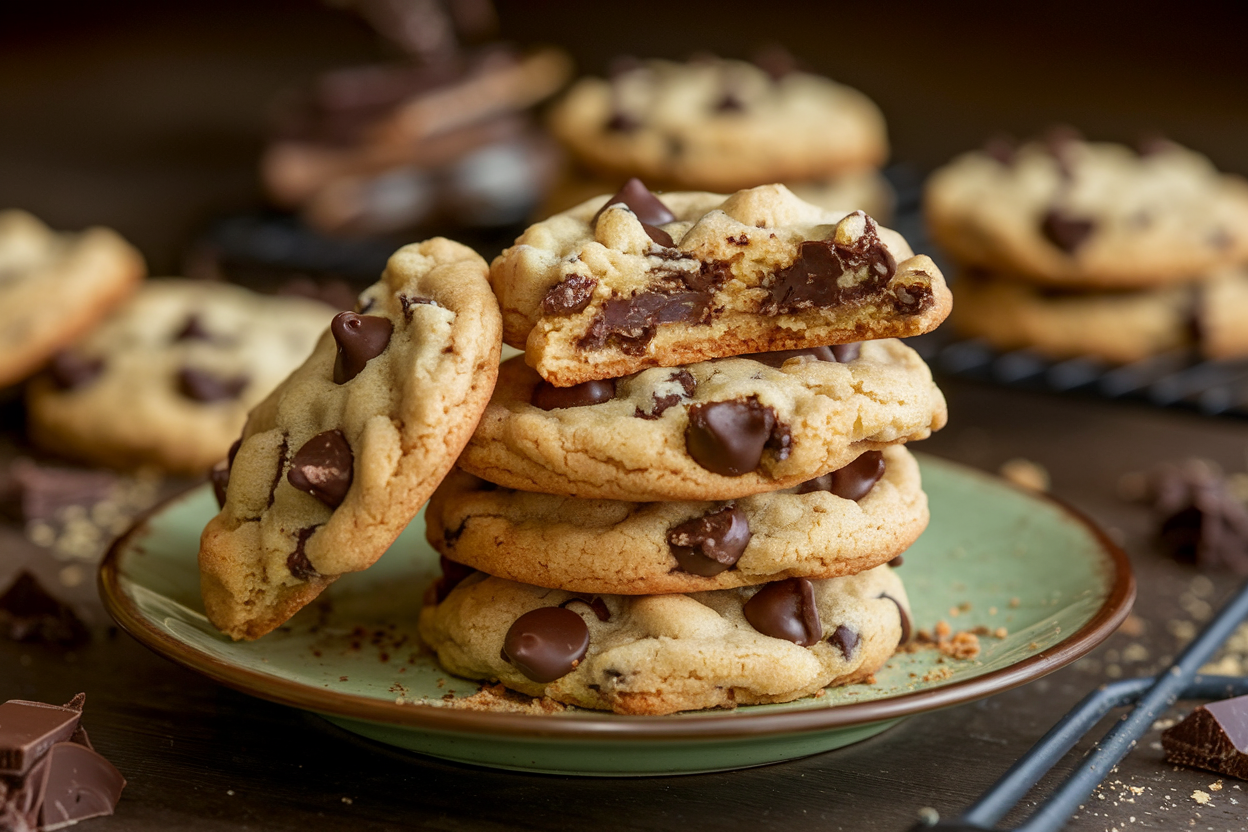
622	122
407	302
1002	148
897	561
842	353
844	639
1154	144
630	323
546	644
549	397
688	384
193	330
28	612
569	296
728	438
1064	231
813	279
324	467
905	617
853	482
297	561
776	61
202	386
69	370
220	478
596	605
1214	737
453	574
786	609
644	204
360	338
729	103
712	543
658	235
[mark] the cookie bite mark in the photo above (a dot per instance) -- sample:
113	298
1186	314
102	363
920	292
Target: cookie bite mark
546	644
851	266
203	386
786	609
324	467
712	543
853	482
360	339
729	438
297	561
549	397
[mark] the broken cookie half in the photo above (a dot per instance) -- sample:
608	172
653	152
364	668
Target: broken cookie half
340	457
638	280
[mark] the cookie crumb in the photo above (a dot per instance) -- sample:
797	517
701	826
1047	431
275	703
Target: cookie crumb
1201	797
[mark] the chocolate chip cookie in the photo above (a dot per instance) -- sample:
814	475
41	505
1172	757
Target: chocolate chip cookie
658	654
844	522
169	378
1069	213
715	430
337	460
635	280
718	125
54	287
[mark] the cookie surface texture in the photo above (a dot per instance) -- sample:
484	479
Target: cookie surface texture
658	654
635	280
716	430
54	287
615	547
169	378
337	460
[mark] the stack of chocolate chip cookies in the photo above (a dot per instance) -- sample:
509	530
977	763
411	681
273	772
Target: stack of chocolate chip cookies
688	491
1076	248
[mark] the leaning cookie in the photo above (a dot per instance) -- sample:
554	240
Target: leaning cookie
716	430
337	460
631	281
658	654
1076	214
54	287
168	380
854	519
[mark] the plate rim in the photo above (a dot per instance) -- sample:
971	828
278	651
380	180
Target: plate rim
598	726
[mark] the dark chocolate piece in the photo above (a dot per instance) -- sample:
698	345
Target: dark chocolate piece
812	280
569	296
453	574
219	476
728	438
79	784
596	605
729	103
1201	521
29	729
1003	148
844	639
297	561
786	609
853	482
408	302
69	370
360	338
658	235
202	386
776	61
546	644
897	561
193	330
549	397
31	491
905	618
324	467
1065	231
28	612
712	543
644	204
1212	737
630	323
688	384
842	353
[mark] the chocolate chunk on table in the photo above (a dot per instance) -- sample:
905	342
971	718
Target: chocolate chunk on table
1213	737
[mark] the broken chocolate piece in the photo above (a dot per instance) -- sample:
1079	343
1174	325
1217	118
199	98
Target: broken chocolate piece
360	338
816	276
712	543
1065	231
844	639
1201	521
905	618
786	609
29	729
547	643
728	438
202	386
79	784
297	561
630	323
324	467
596	605
688	384
1212	737
549	397
853	482
644	204
69	370
569	296
29	613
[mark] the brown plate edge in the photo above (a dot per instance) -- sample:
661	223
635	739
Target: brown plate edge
591	726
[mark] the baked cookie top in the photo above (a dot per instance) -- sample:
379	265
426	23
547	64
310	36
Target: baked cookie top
341	456
853	519
169	378
716	430
718	125
658	654
1068	212
636	280
54	287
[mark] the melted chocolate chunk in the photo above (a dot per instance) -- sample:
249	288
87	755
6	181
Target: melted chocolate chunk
913	299
324	467
407	303
712	543
853	482
710	276
786	609
193	330
202	386
728	438
630	323
29	613
644	204
844	639
69	370
569	296
1213	737
360	338
1064	231
688	384
546	644
842	353
297	562
812	280
596	605
453	574
905	617
549	397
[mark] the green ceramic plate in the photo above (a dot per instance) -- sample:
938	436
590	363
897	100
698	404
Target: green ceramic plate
1001	556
